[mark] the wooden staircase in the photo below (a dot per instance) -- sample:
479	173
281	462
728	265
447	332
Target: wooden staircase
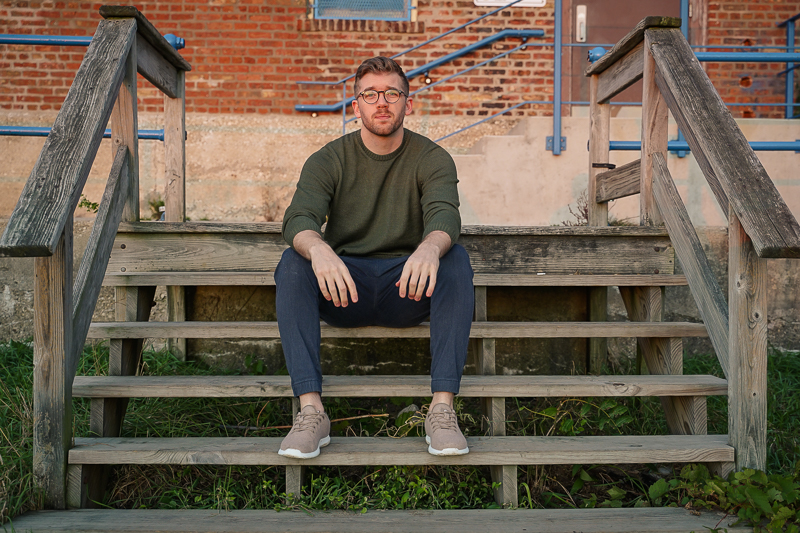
135	257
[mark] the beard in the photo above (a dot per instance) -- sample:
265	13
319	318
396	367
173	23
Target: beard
383	127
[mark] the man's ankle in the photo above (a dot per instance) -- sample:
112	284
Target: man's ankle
313	399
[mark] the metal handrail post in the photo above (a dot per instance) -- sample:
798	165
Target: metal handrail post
790	71
557	140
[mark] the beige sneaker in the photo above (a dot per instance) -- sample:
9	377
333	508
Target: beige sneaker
442	433
310	432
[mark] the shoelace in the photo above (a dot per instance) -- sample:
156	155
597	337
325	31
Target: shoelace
444	420
307	422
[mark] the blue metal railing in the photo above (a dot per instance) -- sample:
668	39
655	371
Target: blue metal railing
68	40
789	71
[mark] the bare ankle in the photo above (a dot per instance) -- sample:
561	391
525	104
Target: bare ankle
313	399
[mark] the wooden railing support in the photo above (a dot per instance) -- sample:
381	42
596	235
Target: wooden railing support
175	196
52	370
747	382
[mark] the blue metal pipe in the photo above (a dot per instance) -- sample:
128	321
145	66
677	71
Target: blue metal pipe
28	131
685	18
503	34
674	146
557	81
790	71
726	57
789	20
68	40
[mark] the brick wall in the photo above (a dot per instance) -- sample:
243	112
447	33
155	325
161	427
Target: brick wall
248	54
749	23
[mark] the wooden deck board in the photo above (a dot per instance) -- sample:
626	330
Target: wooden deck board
636	520
402	386
407	451
480	330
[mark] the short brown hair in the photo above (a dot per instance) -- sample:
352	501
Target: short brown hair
380	65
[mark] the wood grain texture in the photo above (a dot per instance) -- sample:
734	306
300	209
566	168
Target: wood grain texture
479	330
578	252
403	386
630	41
95	258
628	520
406	451
619	182
747	296
275	228
655	121
52	366
125	132
54	187
707	293
175	202
148	31
622	74
138	279
599	138
720	147
155	69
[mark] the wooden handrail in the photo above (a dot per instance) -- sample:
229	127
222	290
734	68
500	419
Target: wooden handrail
732	169
54	187
631	41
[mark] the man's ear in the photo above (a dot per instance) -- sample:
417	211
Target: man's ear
408	108
356	109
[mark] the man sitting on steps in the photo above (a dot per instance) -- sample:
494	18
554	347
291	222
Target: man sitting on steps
387	258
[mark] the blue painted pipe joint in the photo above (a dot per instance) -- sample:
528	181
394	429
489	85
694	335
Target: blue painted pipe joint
596	53
176	42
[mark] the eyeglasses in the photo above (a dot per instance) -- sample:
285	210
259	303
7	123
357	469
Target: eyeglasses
390	95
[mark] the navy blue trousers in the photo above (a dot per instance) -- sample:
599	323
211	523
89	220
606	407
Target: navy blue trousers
300	306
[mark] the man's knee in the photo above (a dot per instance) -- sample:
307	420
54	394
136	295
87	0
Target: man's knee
455	265
292	267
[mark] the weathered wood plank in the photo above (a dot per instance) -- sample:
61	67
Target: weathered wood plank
487	280
480	330
95	257
403	386
747	403
629	42
148	31
275	228
619	182
628	520
621	75
707	293
599	136
52	367
175	202
655	121
553	254
54	187
720	148
125	132
155	69
406	451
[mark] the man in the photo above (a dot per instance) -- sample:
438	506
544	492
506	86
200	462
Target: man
388	256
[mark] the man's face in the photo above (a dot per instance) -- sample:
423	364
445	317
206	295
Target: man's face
382	118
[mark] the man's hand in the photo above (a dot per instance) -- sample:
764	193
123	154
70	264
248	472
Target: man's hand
332	274
423	265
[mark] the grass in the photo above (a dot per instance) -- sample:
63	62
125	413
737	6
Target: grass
362	488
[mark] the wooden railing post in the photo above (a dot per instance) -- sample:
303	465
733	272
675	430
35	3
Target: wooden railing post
52	370
747	380
494	409
599	137
175	196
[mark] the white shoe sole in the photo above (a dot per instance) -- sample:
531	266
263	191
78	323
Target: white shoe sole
446	451
297	454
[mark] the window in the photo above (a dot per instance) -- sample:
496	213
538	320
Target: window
524	3
393	10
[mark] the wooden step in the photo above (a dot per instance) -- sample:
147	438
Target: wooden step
404	386
406	451
630	520
143	279
480	330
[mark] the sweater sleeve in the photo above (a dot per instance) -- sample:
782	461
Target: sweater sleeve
311	201
438	182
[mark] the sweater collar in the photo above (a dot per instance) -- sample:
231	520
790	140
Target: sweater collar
386	157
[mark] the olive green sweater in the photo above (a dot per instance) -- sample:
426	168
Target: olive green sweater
376	205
